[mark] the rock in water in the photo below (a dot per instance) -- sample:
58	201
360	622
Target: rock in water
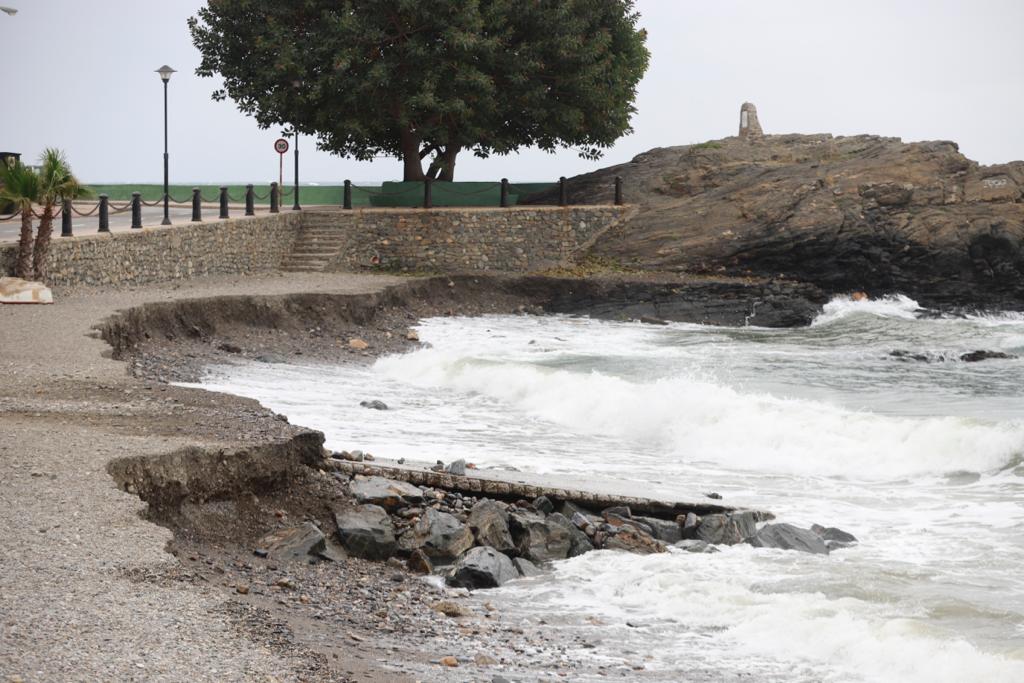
441	535
663	530
633	540
537	539
374	404
976	356
482	567
457	468
489	523
366	531
14	290
831	533
579	542
789	537
388	493
526	568
294	543
727	529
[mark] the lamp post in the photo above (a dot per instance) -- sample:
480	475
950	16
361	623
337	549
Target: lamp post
297	83
8	10
165	76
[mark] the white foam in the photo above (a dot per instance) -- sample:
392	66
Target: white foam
697	420
894	306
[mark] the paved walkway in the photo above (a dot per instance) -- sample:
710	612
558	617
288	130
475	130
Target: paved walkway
75	604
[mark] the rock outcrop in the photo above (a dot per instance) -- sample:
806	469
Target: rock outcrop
857	213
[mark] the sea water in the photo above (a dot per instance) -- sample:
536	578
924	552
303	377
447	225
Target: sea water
920	459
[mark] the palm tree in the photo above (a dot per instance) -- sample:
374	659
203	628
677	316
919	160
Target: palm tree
19	185
56	183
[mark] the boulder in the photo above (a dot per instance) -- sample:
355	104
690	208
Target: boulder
419	563
441	536
526	568
388	493
689	525
579	543
458	468
543	504
537	539
374	404
693	545
727	529
489	522
482	567
366	531
789	537
14	290
831	533
293	543
977	356
633	540
665	530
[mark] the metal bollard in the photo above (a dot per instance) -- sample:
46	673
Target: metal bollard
274	198
197	205
562	194
428	194
618	190
224	202
347	200
65	219
137	210
504	192
250	201
104	214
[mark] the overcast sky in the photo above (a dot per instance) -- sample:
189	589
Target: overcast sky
78	75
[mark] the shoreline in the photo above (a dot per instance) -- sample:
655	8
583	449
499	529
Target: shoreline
80	395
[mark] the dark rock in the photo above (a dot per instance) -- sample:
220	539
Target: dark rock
662	529
419	563
294	543
619	511
907	355
713	495
537	539
458	468
366	531
482	567
543	504
489	522
569	509
727	529
374	404
228	347
977	356
789	537
651	320
689	525
441	536
388	493
525	567
332	552
831	533
579	543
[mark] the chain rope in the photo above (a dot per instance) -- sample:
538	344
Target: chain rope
11	217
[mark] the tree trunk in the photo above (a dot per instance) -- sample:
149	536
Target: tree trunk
23	267
413	166
448	162
42	248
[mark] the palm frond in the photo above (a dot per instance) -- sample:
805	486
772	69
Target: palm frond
19	184
56	179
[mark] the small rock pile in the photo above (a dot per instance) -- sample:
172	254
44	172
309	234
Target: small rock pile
481	542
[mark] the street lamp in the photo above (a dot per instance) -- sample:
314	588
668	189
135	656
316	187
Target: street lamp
165	76
8	10
297	83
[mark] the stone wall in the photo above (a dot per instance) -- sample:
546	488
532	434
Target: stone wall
243	245
516	239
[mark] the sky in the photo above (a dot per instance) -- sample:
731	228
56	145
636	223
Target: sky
79	75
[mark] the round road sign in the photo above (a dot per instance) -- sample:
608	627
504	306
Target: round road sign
281	146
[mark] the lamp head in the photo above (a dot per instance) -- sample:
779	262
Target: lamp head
165	73
8	10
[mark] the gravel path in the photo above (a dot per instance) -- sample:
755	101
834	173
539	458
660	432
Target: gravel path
73	607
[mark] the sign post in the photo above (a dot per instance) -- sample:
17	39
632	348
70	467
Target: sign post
281	147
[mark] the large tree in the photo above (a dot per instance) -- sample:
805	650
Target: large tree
425	79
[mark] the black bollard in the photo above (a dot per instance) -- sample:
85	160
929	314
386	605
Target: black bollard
274	198
618	190
104	214
563	198
224	202
428	194
136	210
504	192
197	205
65	220
347	200
250	201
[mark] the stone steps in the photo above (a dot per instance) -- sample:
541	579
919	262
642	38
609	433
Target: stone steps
318	242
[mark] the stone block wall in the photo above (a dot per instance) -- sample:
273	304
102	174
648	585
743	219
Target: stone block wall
243	245
516	239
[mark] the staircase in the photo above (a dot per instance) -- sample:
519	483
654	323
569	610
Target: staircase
319	240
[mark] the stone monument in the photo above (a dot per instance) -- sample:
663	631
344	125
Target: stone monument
750	127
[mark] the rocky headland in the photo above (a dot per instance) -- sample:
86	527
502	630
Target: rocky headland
844	213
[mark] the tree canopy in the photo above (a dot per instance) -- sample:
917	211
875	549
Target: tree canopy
426	79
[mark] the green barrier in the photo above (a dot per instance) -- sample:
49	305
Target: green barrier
410	194
310	194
